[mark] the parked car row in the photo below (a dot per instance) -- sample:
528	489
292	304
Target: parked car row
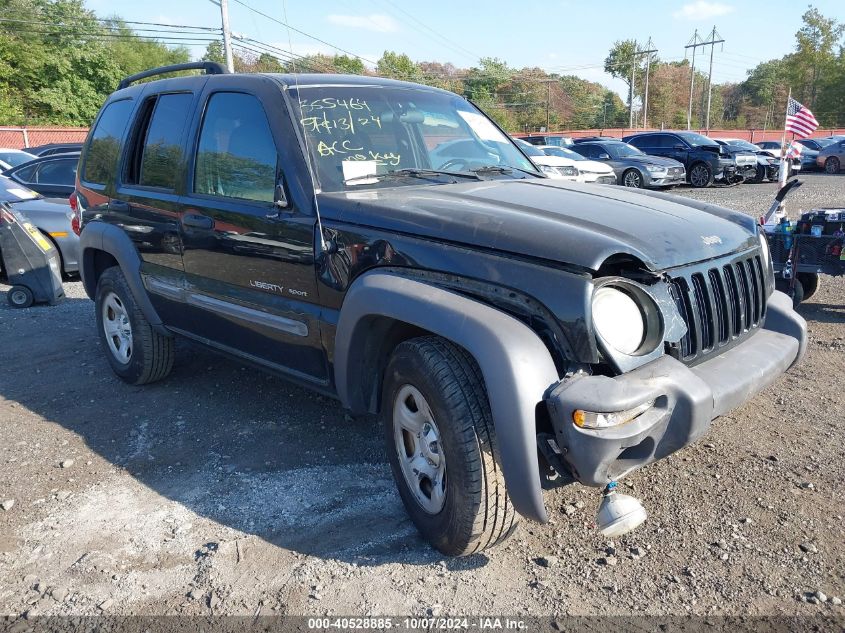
665	159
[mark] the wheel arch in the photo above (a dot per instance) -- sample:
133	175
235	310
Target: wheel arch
103	246
381	309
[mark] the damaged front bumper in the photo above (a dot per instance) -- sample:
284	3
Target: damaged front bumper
685	399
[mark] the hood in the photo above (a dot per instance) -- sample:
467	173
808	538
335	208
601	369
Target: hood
593	166
555	161
571	223
652	160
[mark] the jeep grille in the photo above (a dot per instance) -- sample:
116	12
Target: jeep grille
721	302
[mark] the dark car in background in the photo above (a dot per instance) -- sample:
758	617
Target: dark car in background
52	176
832	157
54	148
51	217
10	158
632	167
704	159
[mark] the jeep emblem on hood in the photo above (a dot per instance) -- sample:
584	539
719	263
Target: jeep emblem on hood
711	240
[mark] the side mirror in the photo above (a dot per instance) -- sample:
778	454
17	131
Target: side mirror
280	198
679	147
604	156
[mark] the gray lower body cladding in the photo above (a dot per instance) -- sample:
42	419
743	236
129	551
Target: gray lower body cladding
686	399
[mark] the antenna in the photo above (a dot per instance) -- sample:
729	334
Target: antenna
323	245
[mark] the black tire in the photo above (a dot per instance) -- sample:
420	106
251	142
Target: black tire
796	292
760	176
632	178
151	354
476	513
700	175
20	297
809	284
831	165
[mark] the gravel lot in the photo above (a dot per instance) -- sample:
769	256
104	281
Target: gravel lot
223	490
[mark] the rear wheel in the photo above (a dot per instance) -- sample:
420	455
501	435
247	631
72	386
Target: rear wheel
796	292
831	165
136	352
632	178
700	175
809	284
20	297
442	447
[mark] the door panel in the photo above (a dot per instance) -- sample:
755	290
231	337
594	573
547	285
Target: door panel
251	281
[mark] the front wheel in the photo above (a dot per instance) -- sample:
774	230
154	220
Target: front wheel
442	447
632	178
136	352
831	165
700	175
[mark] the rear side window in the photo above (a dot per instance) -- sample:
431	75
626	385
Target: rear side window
26	174
104	150
589	151
161	155
236	155
57	172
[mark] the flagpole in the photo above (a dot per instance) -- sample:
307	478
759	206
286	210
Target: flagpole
783	168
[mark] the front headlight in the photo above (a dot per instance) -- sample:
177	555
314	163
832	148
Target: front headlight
619	319
547	169
567	171
656	169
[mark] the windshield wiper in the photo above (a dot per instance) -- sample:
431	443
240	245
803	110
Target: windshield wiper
502	169
413	172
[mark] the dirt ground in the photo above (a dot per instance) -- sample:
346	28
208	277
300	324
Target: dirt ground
223	490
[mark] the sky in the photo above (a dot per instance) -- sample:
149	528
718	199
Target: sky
563	36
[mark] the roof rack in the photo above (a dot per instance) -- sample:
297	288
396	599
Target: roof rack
210	68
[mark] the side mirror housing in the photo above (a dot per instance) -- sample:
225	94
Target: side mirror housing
604	156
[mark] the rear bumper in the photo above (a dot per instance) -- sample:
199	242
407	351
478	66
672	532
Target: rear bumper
686	399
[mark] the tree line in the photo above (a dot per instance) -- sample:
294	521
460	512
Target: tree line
59	61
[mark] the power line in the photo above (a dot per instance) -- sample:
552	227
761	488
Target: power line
308	35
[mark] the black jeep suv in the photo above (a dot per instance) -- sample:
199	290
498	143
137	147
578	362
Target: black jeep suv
704	159
509	329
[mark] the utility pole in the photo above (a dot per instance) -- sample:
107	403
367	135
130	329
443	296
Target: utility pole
712	41
694	43
548	105
227	35
649	50
631	88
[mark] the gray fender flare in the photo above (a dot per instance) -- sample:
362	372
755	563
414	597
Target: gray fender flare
100	236
516	365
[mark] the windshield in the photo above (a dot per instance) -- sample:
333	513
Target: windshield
356	131
16	158
824	142
622	150
10	191
696	140
563	153
528	148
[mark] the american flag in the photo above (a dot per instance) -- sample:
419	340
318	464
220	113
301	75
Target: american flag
794	150
799	120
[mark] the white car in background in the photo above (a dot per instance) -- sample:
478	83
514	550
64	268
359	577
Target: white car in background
552	166
13	157
588	170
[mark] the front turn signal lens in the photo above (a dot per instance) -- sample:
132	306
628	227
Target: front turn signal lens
593	420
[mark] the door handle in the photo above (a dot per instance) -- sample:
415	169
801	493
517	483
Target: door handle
198	221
